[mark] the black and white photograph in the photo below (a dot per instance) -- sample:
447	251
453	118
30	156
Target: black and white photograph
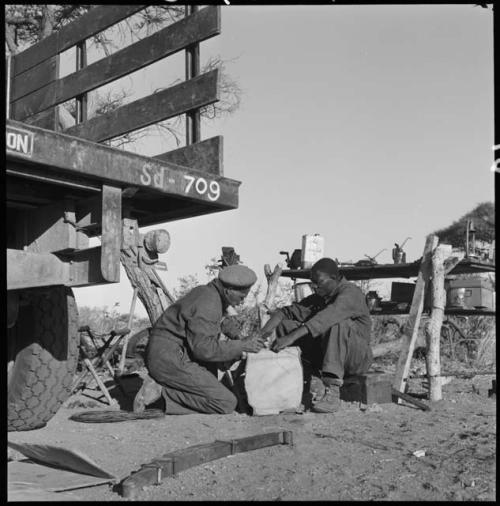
251	251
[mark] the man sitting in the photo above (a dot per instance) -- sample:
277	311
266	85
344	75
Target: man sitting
332	328
184	348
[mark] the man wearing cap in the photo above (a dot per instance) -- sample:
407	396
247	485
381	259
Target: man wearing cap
332	328
184	348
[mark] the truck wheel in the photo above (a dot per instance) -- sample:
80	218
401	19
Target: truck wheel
42	358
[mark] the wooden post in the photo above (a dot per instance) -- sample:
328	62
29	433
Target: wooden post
269	300
442	263
433	326
410	331
123	355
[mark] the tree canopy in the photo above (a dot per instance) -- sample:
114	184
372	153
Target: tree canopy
483	216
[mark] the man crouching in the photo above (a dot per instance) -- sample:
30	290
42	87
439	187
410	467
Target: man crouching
184	348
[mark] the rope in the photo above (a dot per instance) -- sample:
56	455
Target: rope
113	415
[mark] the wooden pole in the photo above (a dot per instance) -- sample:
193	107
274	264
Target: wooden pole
123	355
442	264
410	331
433	326
269	303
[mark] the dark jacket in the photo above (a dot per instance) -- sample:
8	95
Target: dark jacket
195	322
319	315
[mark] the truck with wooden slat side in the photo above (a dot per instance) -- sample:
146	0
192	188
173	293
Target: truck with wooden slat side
64	186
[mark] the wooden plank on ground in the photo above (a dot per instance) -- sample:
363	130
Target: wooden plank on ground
179	99
205	156
65	156
410	331
199	26
179	460
34	78
96	20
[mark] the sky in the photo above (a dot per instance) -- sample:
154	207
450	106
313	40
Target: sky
365	124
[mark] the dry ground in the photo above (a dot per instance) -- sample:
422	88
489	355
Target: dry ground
355	454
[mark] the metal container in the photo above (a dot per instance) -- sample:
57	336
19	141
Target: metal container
470	293
313	247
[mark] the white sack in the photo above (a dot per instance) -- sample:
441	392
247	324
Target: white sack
274	381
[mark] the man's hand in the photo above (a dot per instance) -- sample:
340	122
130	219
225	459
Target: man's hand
282	342
253	344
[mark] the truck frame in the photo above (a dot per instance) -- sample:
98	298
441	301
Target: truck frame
65	187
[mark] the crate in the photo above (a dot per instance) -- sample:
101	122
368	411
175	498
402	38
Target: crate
367	388
470	293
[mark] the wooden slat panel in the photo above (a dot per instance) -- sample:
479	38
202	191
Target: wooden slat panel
34	78
197	27
73	157
178	99
205	156
97	19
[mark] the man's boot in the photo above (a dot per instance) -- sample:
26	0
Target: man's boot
330	401
149	392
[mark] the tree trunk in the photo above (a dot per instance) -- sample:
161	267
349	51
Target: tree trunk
47	22
269	304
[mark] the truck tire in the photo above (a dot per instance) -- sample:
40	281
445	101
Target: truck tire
42	358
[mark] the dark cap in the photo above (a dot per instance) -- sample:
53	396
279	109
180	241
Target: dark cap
326	265
237	276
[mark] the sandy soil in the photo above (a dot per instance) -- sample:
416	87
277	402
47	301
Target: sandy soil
355	454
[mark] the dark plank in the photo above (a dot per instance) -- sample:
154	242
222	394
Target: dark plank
34	78
379	271
199	26
178	99
70	156
96	20
205	156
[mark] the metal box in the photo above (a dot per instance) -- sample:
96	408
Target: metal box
470	293
367	388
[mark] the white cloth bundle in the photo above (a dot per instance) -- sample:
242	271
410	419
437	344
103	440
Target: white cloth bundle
274	381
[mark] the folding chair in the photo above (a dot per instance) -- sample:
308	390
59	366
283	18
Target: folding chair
95	365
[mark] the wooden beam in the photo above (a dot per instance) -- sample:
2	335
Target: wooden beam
70	156
85	268
173	38
96	20
48	229
30	270
178	99
410	331
111	236
205	156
